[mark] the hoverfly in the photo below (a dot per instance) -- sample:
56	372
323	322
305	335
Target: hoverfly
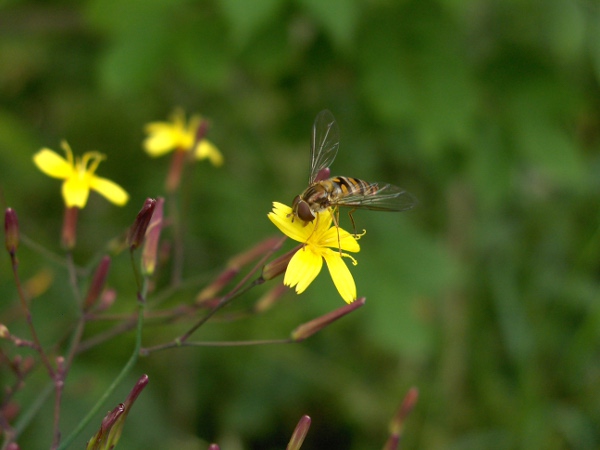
324	192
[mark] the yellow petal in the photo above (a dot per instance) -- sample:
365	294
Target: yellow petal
347	241
162	139
302	269
341	276
112	191
292	227
52	164
75	192
206	149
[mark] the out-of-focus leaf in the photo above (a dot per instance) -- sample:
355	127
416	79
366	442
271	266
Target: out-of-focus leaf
203	52
425	81
338	17
269	53
593	39
139	35
247	17
446	97
546	147
490	167
564	27
384	63
400	295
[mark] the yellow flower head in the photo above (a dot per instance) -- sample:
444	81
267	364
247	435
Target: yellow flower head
79	176
317	236
177	135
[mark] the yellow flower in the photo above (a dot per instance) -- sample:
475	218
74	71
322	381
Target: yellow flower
178	135
317	236
79	176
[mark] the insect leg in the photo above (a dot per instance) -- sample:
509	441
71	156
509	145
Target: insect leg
352	220
335	215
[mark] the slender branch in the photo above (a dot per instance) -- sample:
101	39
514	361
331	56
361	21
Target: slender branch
128	366
28	317
238	290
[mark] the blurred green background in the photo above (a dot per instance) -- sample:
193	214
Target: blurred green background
485	297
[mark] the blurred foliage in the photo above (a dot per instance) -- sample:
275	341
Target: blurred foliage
485	297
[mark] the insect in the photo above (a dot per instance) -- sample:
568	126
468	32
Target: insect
324	192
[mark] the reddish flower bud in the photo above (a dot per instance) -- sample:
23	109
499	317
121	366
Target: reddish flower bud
210	291
299	434
408	403
269	299
13	446
278	265
110	430
97	284
139	227
213	447
308	329
150	251
11	231
268	245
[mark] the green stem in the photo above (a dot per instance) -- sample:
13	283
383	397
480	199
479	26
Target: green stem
128	366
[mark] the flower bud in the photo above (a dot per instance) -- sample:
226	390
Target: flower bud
210	291
112	425
309	328
408	403
150	251
11	231
139	227
269	299
299	433
278	265
97	283
213	447
268	245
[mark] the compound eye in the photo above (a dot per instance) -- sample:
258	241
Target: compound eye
304	212
295	202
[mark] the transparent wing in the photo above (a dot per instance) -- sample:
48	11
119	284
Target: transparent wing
325	143
380	197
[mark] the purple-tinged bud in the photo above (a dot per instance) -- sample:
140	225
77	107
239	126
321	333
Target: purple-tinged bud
69	229
408	403
13	446
309	328
27	364
112	425
269	299
150	251
235	264
97	284
11	231
210	291
299	433
142	382
392	443
268	245
213	447
106	300
101	440
278	265
139	227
